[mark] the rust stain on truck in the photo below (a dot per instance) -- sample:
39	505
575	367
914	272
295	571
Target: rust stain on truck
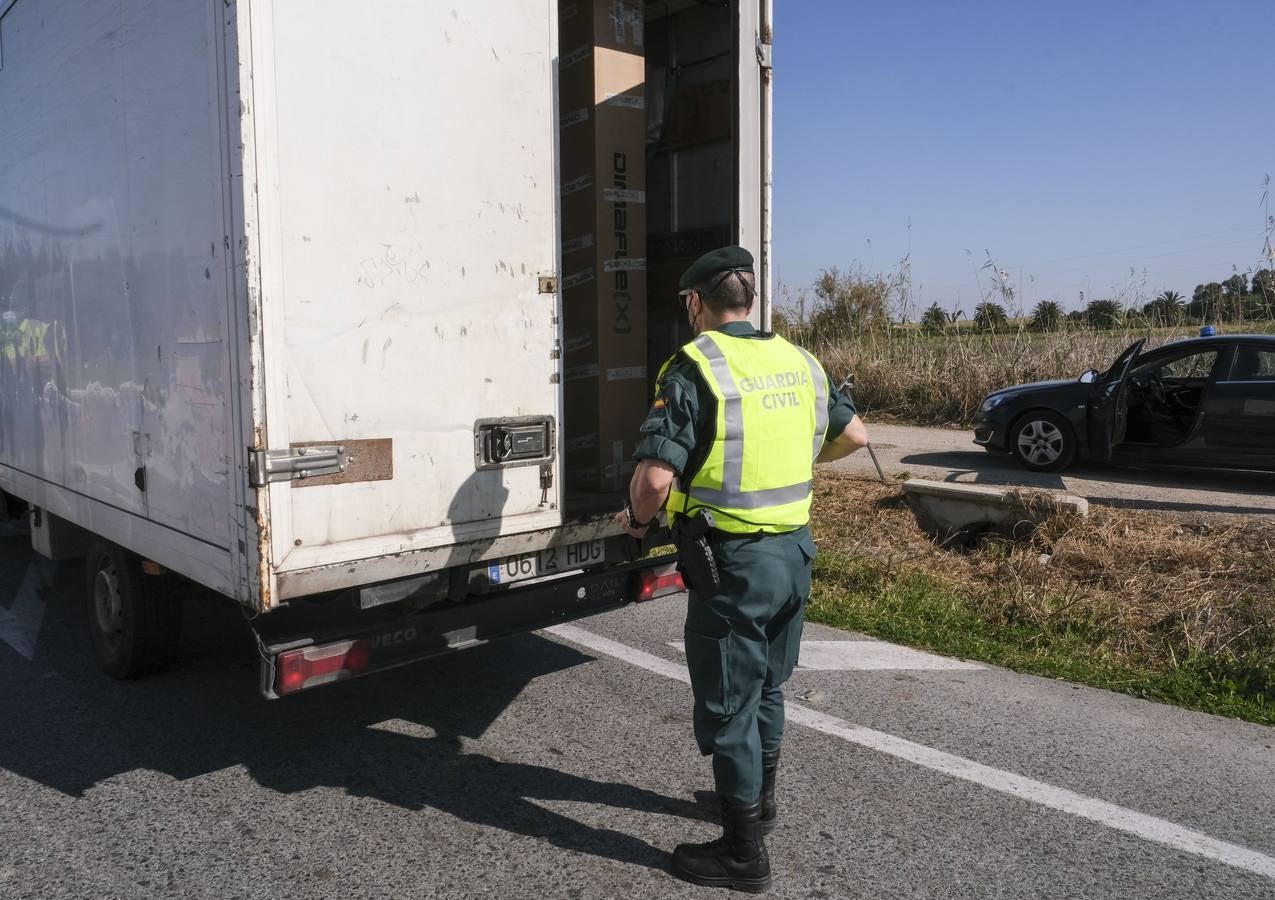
262	518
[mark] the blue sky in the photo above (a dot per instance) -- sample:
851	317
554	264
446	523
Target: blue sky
1113	148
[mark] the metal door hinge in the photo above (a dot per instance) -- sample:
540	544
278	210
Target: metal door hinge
548	284
266	466
763	54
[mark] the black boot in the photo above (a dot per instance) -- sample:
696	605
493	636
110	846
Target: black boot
769	811
736	860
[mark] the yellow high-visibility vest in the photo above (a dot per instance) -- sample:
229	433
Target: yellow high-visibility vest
772	415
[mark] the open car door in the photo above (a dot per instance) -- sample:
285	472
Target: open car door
1109	404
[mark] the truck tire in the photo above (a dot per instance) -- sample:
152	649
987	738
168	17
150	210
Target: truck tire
135	626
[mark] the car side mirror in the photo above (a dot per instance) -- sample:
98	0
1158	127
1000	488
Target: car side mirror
1089	377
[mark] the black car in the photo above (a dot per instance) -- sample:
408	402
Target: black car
1209	401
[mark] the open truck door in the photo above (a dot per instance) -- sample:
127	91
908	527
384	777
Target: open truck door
708	98
1109	405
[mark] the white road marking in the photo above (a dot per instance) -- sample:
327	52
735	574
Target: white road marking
20	623
845	656
1119	818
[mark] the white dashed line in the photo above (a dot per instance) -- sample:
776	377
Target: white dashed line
849	656
1119	818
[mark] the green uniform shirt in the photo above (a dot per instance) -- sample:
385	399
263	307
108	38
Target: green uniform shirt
678	430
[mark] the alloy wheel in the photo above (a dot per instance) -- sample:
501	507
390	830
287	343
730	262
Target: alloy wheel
1040	442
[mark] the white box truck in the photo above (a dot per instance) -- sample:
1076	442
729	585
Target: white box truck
279	288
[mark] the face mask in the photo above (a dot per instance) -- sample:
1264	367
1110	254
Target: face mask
694	317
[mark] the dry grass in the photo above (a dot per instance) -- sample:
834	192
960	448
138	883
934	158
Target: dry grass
1143	590
905	375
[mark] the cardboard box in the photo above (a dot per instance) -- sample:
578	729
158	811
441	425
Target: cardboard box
602	107
698	114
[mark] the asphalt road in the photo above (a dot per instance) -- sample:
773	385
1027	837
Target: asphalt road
951	455
562	765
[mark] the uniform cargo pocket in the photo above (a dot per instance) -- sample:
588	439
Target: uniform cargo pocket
792	644
708	659
785	644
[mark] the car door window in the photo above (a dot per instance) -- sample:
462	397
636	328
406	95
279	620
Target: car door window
1252	364
1166	397
1191	367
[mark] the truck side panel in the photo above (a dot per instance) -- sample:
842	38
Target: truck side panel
116	362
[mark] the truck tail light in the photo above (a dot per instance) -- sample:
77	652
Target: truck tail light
312	666
660	582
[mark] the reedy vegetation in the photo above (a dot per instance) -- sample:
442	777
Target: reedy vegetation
938	370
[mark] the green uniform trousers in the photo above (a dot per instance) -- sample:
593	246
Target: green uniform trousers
741	646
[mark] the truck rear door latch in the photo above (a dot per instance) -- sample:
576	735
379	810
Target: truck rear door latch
521	441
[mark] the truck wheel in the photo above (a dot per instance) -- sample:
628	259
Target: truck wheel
135	628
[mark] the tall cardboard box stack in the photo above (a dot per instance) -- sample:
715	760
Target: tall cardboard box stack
602	109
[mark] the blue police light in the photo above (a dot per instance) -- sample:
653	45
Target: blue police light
1208	331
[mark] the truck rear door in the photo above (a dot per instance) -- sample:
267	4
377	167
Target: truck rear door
405	222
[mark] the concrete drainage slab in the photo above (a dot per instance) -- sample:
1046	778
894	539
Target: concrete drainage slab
950	511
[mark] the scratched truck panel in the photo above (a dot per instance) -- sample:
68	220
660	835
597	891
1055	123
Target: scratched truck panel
406	211
115	372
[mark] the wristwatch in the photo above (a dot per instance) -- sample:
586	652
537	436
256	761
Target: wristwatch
632	517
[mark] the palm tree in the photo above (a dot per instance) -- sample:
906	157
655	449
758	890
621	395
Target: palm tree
1104	314
934	319
990	317
1047	316
1167	309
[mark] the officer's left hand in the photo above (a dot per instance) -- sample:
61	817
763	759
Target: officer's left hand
622	519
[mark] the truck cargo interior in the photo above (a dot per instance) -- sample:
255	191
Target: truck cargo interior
649	137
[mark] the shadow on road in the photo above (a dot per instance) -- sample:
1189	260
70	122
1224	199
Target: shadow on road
981	467
77	728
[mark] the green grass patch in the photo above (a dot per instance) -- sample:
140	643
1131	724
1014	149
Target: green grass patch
908	606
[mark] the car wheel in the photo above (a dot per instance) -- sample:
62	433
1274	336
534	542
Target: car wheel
135	628
1043	441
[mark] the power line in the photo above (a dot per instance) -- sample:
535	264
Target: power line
1161	272
1136	264
1118	250
1188	237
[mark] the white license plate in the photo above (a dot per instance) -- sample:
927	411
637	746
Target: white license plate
546	562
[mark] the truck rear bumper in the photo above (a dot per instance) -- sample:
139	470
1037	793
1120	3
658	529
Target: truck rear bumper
338	646
381	567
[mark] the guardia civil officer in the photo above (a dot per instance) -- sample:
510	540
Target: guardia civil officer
739	419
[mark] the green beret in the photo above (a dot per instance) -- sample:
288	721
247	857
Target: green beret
723	259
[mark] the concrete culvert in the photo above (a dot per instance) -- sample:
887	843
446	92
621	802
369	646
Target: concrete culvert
960	514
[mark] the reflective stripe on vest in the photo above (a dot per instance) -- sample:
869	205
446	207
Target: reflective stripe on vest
757	475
